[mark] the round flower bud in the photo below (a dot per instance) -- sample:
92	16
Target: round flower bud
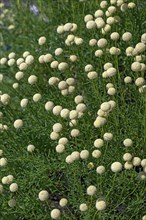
114	36
140	47
11	55
75	133
90	24
131	5
96	153
98	13
98	143
62	85
100	23
18	123
60	148
32	79
92	75
143	163
108	136
88	68
5	99
127	79
73	114
88	18
143	38
41	59
30	148
63	66
111	91
53	81
69	159
11	62
139	81
3	162
67	26
78	40
127	36
129	51
63	202
105	106
63	140
92	42
128	142
54	64
55	214
75	155
37	97
74	27
57	127
3	60
64	113
73	58
102	43
111	71
78	99
84	154
12	203
103	4
19	75
100	205
43	195
26	53
42	40
49	106
144	217
136	66
100	169
83	207
107	66
116	167
54	136
60	29
23	66
57	109
127	157
70	81
15	85
136	161
5	180
13	187
29	59
48	58
81	107
99	122
58	51
91	190
98	53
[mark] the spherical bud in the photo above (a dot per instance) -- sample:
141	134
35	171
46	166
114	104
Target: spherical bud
60	148
37	97
92	75
81	107
12	203
11	62
5	180
108	136
13	187
92	42
116	167
55	214
63	141
19	75
143	38
41	59
23	66
111	71
68	27
69	159
140	47
73	58
139	81
42	40
63	202
62	85
88	68
29	59
5	98
127	157
127	36
99	122
84	154
91	190
128	142
115	36
90	24
111	91
96	153
43	195
64	113
75	155
83	207
98	143
98	53
103	4
88	18
54	136
3	162
57	109
75	133
102	43
49	106
48	58
136	161
100	205
30	148
60	29
78	99
26	53
58	51
100	23
32	79
100	169
54	64
143	163
57	127
127	80
63	66
98	13
18	124
105	106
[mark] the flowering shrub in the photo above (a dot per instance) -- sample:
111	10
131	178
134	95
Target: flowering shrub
73	110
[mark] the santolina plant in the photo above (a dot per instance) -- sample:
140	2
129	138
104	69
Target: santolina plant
73	110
